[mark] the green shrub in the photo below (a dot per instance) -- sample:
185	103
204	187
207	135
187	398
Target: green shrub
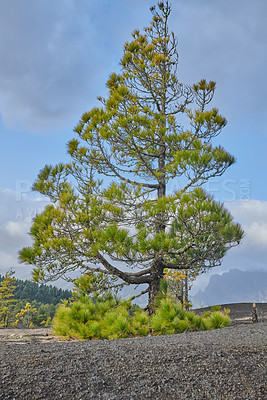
196	323
204	324
183	325
226	311
206	314
182	313
107	317
190	316
140	323
157	324
218	320
216	308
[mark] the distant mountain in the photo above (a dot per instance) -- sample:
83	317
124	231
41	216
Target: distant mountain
235	286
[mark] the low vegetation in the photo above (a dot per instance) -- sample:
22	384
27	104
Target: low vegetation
107	317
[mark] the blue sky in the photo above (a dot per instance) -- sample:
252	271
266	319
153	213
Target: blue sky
55	60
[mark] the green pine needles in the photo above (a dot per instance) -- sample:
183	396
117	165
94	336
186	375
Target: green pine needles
113	209
107	317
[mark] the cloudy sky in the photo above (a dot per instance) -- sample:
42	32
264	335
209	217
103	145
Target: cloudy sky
55	60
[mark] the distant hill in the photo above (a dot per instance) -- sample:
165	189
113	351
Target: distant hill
24	272
235	286
30	291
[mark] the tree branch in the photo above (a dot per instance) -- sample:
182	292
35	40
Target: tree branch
129	278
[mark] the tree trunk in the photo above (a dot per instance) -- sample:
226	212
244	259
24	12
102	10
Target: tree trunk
186	291
157	269
6	321
182	292
154	285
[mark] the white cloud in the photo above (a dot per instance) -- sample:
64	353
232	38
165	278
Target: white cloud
251	254
248	211
58	55
257	234
252	214
15	222
15	229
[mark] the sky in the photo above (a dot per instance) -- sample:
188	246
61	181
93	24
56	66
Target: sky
55	60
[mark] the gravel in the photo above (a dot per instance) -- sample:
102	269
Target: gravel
222	364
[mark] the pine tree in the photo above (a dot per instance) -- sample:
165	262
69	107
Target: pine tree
7	287
151	132
24	317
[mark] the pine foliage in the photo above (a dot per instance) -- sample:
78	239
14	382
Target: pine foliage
7	288
113	210
107	317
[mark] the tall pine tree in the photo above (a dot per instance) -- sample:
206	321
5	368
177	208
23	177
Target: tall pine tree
150	134
7	288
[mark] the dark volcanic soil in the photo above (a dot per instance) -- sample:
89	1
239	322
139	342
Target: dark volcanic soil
221	364
241	313
225	364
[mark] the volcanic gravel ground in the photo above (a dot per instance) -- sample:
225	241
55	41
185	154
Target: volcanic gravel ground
223	364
